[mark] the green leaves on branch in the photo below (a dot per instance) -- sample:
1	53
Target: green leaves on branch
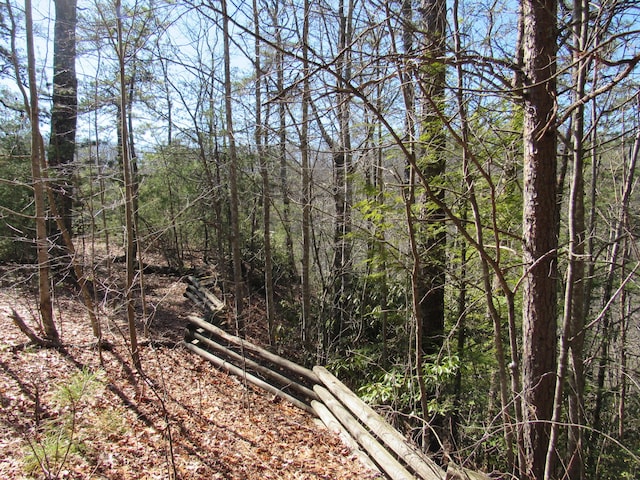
398	388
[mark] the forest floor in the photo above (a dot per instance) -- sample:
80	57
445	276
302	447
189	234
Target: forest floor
80	413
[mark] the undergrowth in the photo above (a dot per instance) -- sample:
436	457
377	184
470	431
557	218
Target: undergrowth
64	437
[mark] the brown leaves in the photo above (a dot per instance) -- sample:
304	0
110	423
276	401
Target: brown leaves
188	420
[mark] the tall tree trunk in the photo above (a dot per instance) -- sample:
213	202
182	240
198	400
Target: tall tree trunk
38	163
101	167
64	111
592	192
342	177
130	253
233	176
577	238
282	138
429	229
306	181
264	172
572	334
625	314
135	186
539	321
431	162
413	228
132	147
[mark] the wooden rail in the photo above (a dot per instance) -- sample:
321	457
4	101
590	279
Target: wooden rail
317	391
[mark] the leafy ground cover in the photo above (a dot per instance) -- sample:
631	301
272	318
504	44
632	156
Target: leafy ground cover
77	413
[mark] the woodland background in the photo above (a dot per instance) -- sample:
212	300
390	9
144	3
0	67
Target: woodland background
436	199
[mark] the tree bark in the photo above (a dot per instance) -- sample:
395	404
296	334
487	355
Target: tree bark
306	181
539	321
64	112
432	237
577	239
129	193
428	229
38	163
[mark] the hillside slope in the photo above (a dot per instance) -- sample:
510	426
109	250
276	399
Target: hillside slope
80	417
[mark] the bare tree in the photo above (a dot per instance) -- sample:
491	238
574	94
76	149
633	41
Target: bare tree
233	174
38	165
572	335
129	190
426	134
306	179
280	51
259	136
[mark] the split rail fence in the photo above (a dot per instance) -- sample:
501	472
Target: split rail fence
372	439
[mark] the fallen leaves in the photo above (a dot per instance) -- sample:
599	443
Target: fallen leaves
186	419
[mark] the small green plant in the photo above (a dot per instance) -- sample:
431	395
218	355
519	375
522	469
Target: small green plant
57	439
392	388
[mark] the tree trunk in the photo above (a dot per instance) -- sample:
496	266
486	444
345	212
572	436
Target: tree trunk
266	189
129	194
282	138
306	181
625	315
539	321
429	229
432	238
38	163
233	177
64	111
343	190
577	238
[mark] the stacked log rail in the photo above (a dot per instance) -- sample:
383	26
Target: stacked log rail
202	297
317	391
258	366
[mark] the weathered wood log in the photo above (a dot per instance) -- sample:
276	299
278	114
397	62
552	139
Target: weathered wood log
422	465
377	452
195	299
207	298
296	369
337	428
285	382
337	406
210	297
200	302
219	304
220	363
